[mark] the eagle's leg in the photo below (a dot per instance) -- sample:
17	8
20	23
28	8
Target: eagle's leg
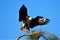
24	27
28	21
26	24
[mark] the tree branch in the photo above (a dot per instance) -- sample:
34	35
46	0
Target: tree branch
40	33
18	37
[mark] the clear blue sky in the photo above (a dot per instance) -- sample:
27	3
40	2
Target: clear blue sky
9	13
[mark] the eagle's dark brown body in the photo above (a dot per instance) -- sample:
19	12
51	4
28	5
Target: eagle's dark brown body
30	22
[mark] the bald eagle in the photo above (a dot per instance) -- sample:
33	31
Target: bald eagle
29	22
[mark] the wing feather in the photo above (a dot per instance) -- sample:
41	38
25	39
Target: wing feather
22	13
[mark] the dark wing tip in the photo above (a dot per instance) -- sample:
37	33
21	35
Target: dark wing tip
22	13
47	21
23	5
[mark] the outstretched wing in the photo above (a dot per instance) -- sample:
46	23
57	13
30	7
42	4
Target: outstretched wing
22	13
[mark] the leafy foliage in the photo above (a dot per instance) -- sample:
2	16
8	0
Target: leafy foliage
52	37
36	36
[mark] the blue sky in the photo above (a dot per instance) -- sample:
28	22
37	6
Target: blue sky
9	13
